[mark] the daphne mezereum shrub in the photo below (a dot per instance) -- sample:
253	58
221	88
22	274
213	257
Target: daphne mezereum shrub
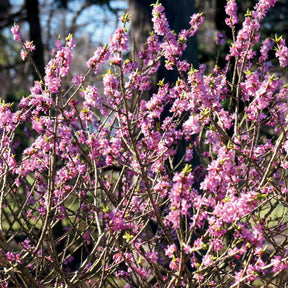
99	198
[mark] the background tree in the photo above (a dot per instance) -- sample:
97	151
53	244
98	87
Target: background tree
33	19
46	21
64	16
178	18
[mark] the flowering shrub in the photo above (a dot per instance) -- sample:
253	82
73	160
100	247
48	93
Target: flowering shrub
99	200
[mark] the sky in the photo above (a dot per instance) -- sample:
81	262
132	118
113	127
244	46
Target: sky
96	23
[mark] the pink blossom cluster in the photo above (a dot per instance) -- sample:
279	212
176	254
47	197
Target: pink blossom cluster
184	188
16	32
262	7
195	22
27	46
231	10
100	55
59	66
249	34
282	52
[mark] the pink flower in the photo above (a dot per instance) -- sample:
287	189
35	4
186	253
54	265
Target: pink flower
29	46
26	244
100	55
78	79
173	217
116	60
16	32
152	256
267	45
195	21
282	53
170	250
278	264
118	41
160	23
174	264
207	260
118	257
92	97
198	243
59	66
231	11
23	54
187	248
10	256
111	84
262	7
191	126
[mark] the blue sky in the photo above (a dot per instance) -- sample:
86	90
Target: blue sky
96	23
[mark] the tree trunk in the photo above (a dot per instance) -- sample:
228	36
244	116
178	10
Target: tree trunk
178	15
32	8
140	23
4	6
